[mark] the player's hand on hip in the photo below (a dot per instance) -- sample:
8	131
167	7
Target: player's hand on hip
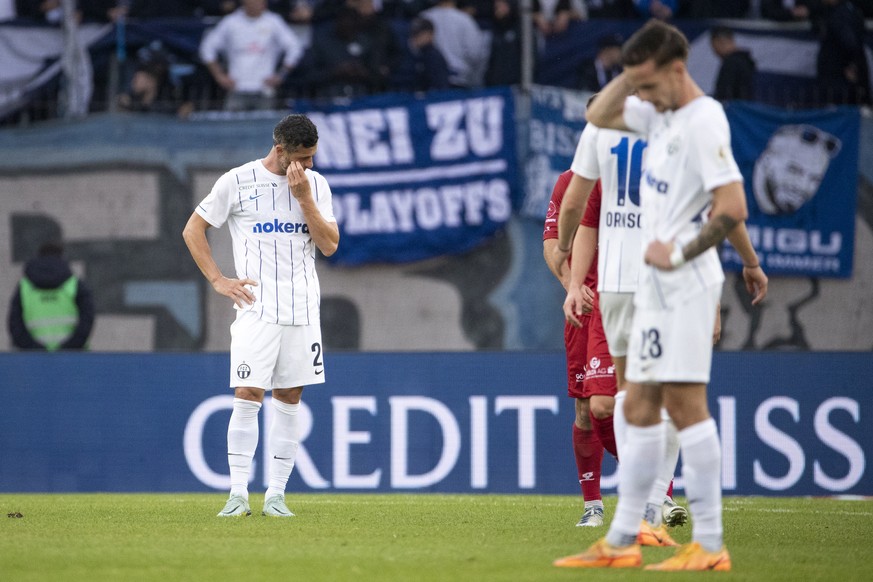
297	180
756	283
658	255
236	289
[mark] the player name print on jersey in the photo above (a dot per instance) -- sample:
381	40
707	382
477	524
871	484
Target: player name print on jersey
624	219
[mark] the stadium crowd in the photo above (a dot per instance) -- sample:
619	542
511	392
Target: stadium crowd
256	54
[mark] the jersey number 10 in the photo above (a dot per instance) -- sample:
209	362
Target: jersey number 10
629	182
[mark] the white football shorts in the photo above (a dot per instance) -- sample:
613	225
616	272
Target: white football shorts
673	345
268	355
617	313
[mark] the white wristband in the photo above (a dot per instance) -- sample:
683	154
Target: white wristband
677	257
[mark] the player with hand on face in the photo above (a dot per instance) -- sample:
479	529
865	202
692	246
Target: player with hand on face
279	211
692	198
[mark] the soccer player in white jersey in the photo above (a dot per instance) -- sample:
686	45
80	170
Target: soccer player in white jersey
278	211
692	198
615	158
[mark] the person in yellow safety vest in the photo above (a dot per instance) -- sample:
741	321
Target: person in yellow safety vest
51	308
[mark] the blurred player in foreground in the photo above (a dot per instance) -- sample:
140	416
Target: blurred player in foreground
278	211
692	198
615	159
589	368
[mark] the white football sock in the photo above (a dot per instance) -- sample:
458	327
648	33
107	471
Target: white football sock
282	445
636	473
701	468
665	475
242	440
619	422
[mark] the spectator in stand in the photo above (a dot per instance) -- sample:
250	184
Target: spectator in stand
611	9
152	88
736	77
51	308
378	31
252	40
422	67
345	60
660	9
458	38
842	63
552	17
605	66
149	89
504	65
788	10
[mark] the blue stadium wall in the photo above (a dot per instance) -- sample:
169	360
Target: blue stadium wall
485	422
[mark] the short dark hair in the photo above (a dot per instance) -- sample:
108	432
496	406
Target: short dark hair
295	131
656	40
721	32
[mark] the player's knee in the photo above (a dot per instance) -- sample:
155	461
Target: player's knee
251	394
683	416
288	395
602	408
641	412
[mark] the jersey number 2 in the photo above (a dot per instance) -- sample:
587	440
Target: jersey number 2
316	349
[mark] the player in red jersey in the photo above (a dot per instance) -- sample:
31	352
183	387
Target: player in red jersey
589	367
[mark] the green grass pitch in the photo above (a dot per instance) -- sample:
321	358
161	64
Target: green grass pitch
420	537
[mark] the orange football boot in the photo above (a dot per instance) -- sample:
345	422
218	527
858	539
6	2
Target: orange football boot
692	557
602	555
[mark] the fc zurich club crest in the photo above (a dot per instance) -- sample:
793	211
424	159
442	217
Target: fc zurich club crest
243	371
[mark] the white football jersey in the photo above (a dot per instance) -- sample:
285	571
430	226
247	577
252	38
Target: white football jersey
689	154
616	158
271	241
251	47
